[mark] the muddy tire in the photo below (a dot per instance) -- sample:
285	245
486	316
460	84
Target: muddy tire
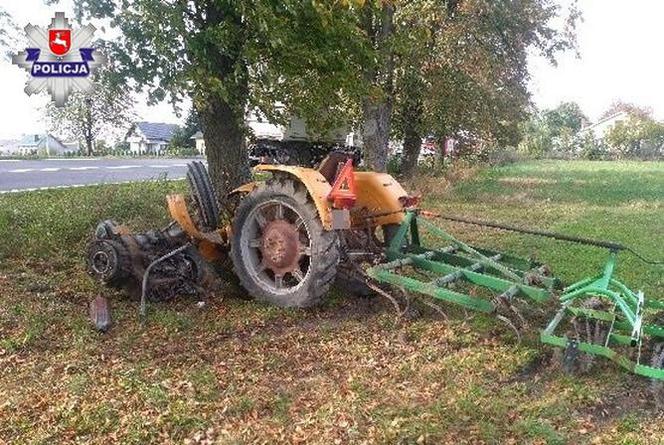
280	251
203	193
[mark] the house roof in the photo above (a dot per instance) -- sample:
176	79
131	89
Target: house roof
157	130
612	117
31	140
197	135
38	141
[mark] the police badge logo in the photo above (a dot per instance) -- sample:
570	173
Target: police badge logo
59	40
61	60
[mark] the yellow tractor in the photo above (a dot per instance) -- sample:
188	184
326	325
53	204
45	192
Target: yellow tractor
290	235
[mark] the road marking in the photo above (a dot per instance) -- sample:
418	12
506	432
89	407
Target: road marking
10	160
122	167
160	166
50	169
22	170
90	167
178	165
58	187
72	159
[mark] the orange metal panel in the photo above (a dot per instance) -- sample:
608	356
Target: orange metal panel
377	193
315	183
209	243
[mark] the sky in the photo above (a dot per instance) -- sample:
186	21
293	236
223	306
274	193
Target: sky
620	58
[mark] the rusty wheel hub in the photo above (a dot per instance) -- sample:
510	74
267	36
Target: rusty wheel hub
280	246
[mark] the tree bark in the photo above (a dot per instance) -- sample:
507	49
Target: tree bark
441	152
223	131
412	143
376	134
222	117
411	117
377	111
88	126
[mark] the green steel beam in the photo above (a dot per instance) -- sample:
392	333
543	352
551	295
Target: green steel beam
440	293
480	279
605	351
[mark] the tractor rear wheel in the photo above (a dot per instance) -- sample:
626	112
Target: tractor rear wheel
280	251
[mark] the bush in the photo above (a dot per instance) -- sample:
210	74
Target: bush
177	151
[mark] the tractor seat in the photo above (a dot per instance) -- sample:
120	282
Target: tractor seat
329	167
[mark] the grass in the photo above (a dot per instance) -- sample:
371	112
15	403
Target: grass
241	372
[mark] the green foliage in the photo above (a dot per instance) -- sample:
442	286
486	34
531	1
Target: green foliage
553	131
590	148
87	116
637	137
480	84
565	118
249	54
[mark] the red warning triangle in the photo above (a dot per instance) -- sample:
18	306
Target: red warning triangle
343	194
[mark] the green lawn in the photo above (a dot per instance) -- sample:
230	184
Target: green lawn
241	372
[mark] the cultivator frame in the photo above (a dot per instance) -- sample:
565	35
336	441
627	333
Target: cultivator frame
321	221
511	277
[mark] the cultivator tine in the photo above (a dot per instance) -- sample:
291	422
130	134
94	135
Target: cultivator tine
455	276
457	262
509	293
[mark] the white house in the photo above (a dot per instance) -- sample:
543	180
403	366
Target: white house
602	127
150	137
44	144
200	142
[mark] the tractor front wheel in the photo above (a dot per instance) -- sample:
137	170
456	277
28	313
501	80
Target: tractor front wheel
280	251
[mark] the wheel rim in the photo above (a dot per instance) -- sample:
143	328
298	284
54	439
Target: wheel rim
104	261
276	247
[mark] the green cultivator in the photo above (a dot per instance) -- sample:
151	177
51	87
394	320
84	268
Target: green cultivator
597	316
302	229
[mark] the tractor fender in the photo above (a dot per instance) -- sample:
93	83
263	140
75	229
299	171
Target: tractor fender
315	183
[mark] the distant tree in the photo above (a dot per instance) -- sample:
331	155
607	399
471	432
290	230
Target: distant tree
536	138
567	115
191	125
85	116
230	56
463	72
636	137
629	108
555	129
589	147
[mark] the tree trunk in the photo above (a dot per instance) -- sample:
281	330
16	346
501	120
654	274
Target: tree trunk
411	117
222	117
88	126
441	152
223	131
377	111
376	134
412	143
88	145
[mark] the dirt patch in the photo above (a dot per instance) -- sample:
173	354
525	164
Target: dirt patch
526	180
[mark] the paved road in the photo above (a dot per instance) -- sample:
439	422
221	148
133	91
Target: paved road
22	175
